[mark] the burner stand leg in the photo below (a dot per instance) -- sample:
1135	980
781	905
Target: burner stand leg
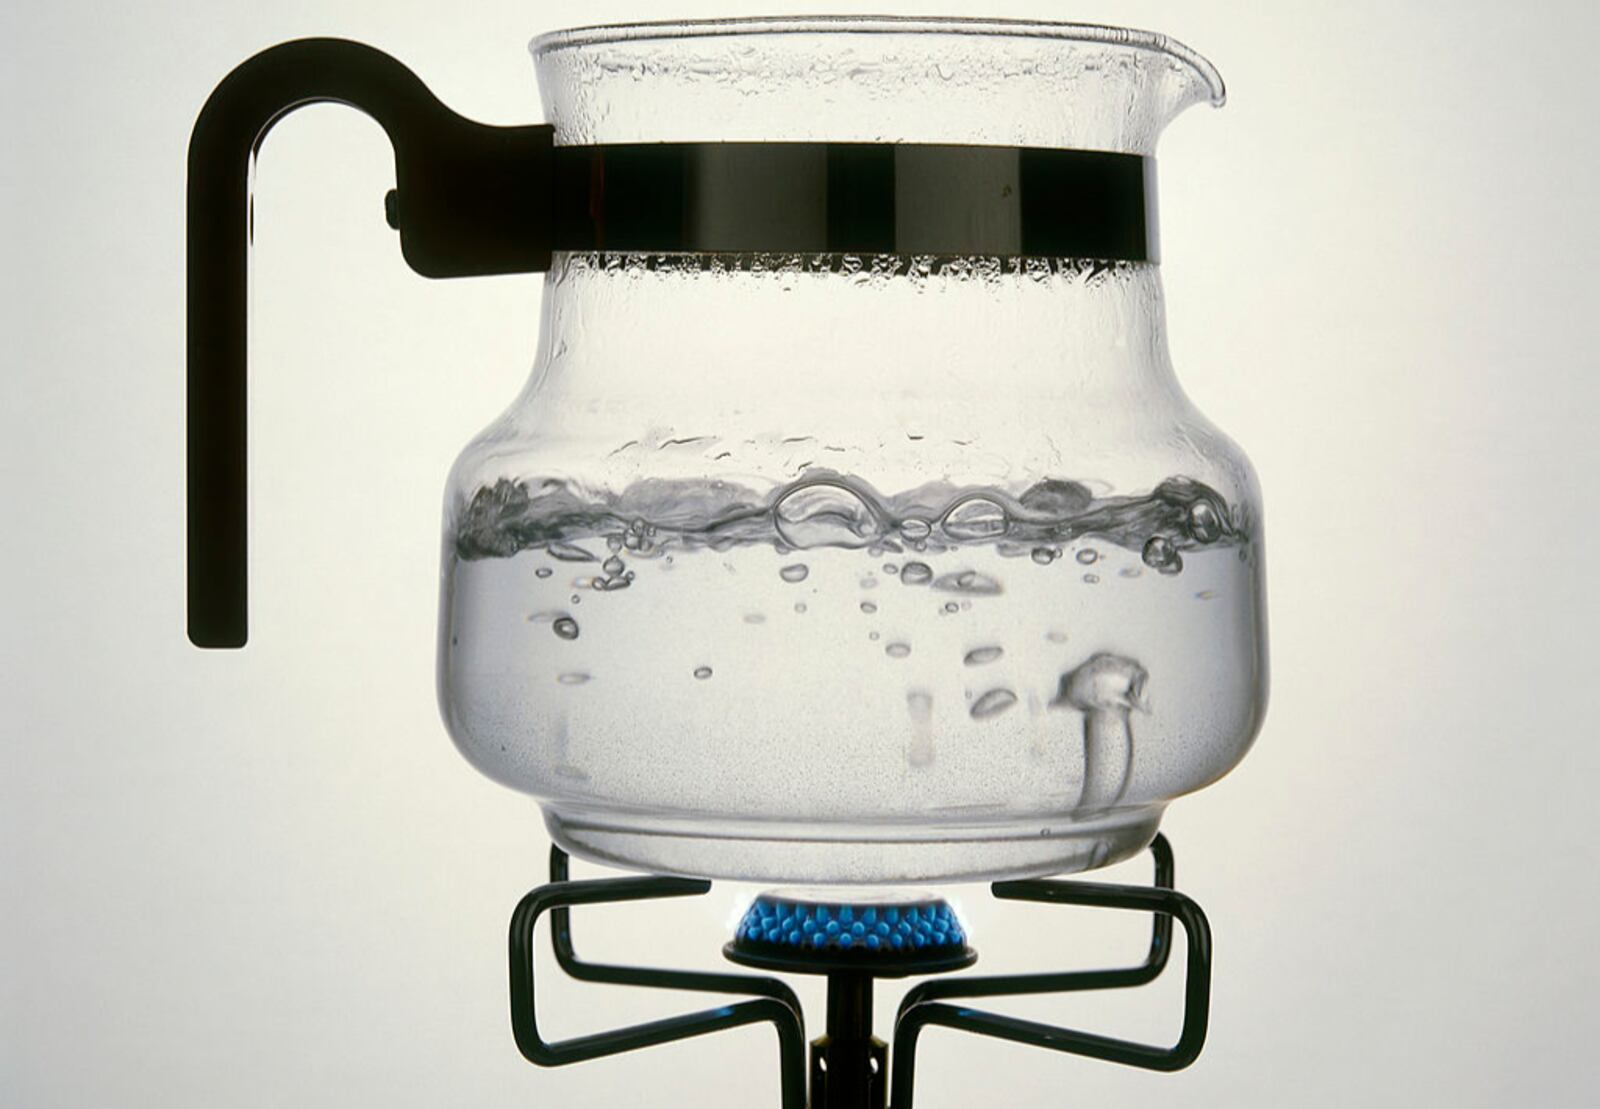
849	1066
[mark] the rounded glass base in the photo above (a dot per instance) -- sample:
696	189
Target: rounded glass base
760	851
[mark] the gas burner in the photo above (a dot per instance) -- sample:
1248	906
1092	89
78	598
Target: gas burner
854	944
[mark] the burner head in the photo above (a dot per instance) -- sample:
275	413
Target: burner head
887	937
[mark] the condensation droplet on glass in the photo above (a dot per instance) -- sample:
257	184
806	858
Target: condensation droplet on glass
702	672
565	627
992	703
897	650
980	656
916	573
795	571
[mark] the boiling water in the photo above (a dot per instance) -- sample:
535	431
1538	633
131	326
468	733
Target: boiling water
833	664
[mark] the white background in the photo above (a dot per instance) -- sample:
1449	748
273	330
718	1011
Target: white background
266	878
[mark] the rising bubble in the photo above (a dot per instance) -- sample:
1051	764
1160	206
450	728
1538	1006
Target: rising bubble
795	571
1087	557
1160	554
567	552
916	573
1205	525
565	627
702	672
543	572
967	581
897	650
980	656
1044	556
992	703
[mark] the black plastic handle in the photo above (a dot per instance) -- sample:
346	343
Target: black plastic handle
471	199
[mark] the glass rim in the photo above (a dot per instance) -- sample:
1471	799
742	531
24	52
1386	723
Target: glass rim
607	33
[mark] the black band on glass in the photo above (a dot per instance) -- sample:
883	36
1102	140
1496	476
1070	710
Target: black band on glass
854	198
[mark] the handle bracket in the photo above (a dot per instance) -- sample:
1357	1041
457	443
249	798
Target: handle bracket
471	199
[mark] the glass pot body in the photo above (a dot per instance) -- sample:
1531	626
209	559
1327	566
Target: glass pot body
854	568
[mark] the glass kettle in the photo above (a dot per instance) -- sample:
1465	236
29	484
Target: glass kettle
852	526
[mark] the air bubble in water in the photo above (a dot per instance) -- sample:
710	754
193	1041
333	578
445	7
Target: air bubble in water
914	529
613	566
825	514
565	627
567	552
1204	523
1044	556
1091	579
868	607
890	568
543	572
702	672
1088	556
1056	636
897	650
795	571
754	618
800	606
951	606
869	582
1160	554
975	518
576	677
968	581
916	573
614	543
992	703
980	656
